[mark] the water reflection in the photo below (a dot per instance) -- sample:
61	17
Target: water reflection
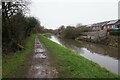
103	55
55	39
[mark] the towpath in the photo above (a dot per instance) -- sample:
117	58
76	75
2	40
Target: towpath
40	66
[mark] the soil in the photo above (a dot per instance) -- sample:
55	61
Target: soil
40	65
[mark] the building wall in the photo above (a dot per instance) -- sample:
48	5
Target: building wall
104	27
96	28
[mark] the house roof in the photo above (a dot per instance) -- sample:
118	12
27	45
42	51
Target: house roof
101	23
112	22
118	23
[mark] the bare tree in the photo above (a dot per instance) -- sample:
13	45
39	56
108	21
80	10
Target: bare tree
13	7
9	10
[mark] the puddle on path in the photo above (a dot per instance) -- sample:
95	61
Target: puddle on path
40	56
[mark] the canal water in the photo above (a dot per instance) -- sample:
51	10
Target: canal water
103	55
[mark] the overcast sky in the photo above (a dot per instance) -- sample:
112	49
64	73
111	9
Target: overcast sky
54	13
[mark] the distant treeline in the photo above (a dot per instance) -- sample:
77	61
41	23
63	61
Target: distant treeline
16	27
71	32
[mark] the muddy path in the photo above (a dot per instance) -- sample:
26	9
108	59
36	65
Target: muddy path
40	66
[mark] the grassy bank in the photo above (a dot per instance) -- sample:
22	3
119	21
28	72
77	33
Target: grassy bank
72	65
15	65
47	34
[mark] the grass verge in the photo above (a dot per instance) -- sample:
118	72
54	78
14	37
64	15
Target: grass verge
71	65
14	65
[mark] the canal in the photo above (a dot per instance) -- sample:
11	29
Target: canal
103	55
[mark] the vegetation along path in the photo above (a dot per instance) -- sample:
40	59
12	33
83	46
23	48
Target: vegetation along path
40	66
15	66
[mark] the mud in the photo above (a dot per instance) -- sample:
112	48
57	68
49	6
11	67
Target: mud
40	66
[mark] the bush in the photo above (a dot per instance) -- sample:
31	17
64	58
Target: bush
72	32
115	33
16	30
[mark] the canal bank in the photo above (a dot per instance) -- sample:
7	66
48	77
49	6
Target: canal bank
105	56
15	66
100	37
69	64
